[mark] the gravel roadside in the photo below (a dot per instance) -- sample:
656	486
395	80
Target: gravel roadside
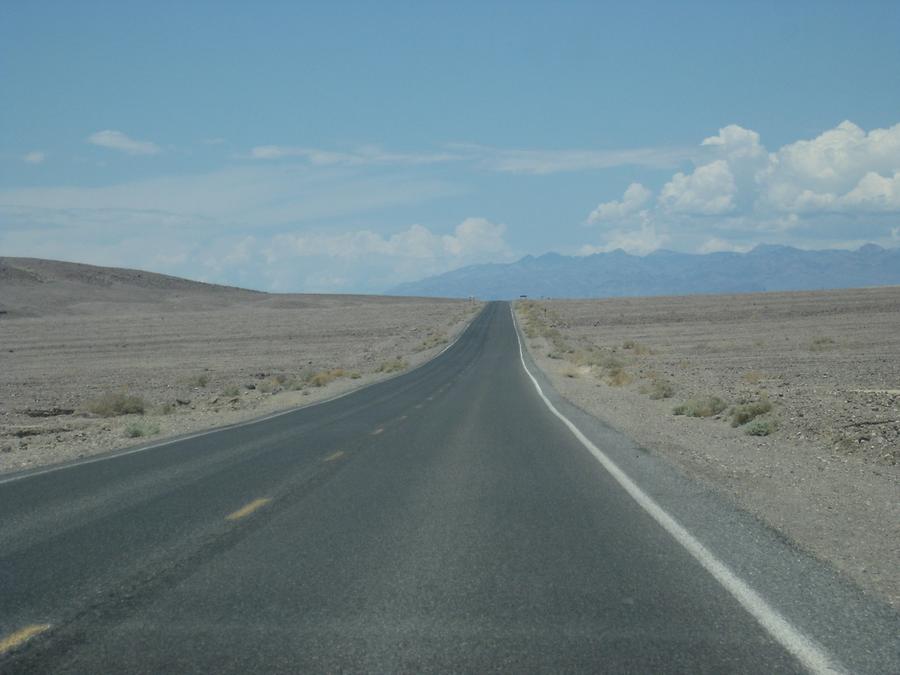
818	374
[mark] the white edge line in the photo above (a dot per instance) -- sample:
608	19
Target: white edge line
813	657
214	430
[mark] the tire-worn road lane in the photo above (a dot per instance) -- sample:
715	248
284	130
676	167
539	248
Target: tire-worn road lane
441	521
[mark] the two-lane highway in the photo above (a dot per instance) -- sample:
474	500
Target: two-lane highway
445	520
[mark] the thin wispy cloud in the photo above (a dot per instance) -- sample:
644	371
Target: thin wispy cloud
116	140
362	156
34	157
543	162
248	197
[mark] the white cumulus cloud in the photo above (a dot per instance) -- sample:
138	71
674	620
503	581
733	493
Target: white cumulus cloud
116	140
636	197
844	183
34	157
736	143
639	240
709	190
815	175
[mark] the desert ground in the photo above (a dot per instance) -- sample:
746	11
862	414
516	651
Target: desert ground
94	359
788	403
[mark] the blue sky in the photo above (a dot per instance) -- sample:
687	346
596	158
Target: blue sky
350	146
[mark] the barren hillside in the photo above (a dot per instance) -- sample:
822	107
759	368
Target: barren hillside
95	358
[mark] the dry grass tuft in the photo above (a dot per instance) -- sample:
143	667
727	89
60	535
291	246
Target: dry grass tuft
392	366
762	427
141	428
660	388
326	377
753	377
700	407
636	347
821	344
741	414
114	404
434	339
198	381
617	377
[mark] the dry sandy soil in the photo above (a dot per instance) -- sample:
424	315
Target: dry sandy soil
828	364
196	355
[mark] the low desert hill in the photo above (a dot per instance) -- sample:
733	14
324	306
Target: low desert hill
36	287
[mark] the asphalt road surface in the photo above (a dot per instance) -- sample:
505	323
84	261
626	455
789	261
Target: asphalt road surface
445	520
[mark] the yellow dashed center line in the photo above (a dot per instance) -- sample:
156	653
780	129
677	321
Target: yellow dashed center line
248	509
377	431
21	636
333	456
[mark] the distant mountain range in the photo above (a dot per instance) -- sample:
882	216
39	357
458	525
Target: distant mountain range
765	268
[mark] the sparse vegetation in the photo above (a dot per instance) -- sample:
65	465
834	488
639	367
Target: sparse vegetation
355	375
636	347
741	414
199	381
753	377
392	366
434	339
700	407
761	427
164	409
114	404
660	388
538	322
821	344
325	377
570	372
232	390
141	428
268	386
617	377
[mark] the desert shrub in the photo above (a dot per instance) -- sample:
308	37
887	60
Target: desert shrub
636	347
294	384
660	389
325	377
597	358
821	344
268	386
141	428
354	375
119	403
570	372
433	340
617	377
700	407
164	409
198	381
232	390
392	366
741	414
753	377
761	427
